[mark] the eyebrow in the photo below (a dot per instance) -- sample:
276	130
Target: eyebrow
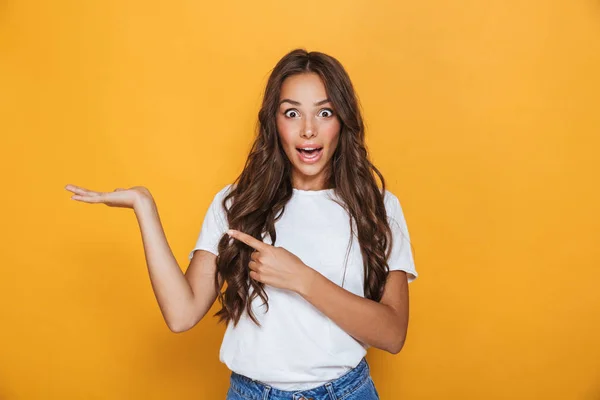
297	103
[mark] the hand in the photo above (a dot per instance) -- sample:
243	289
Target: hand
274	265
125	198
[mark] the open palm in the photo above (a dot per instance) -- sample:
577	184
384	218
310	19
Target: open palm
125	198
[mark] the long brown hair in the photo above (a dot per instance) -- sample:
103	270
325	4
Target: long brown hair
259	195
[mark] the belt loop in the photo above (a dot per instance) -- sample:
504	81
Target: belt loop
266	392
329	388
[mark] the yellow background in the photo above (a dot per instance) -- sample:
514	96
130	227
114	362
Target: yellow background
483	116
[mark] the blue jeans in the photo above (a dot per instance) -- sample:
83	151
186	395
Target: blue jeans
355	384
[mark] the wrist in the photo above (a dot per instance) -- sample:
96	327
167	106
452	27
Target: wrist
143	202
308	282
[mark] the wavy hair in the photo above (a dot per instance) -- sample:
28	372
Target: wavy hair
259	194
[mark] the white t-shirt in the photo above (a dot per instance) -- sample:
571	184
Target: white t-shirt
298	347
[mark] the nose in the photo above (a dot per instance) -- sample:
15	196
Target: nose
309	129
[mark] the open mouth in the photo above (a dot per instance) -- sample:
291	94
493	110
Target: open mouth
309	153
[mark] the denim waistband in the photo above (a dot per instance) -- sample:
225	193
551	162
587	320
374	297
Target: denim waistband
334	389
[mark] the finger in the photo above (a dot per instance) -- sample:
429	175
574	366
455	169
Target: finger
249	240
88	199
98	197
74	188
253	265
255	276
81	191
254	255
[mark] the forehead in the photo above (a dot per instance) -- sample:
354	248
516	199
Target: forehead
303	87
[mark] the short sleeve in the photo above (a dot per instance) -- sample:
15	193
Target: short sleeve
401	257
214	226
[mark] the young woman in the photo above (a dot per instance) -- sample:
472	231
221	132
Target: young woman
309	258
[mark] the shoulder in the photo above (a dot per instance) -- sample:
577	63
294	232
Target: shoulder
393	207
220	195
389	197
225	190
390	200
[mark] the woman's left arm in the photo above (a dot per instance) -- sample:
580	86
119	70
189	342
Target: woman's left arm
382	325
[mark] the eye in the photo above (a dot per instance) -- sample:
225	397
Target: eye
291	113
328	112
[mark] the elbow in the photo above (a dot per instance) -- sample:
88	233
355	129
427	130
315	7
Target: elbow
179	326
397	344
184	321
396	347
398	337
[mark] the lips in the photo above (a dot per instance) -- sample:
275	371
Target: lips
310	154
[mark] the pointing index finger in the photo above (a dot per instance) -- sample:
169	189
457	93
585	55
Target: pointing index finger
249	240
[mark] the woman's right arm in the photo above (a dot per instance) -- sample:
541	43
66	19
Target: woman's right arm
184	299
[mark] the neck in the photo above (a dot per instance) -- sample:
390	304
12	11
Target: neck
311	185
316	182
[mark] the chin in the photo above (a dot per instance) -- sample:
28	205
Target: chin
309	170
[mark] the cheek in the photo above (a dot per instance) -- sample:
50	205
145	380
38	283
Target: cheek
330	132
285	131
